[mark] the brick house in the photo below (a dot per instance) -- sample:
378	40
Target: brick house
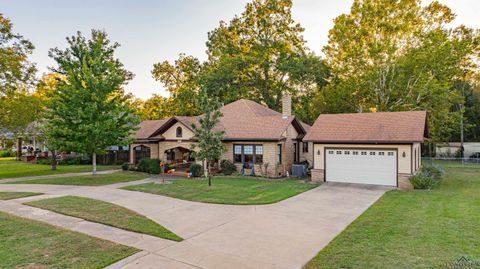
253	134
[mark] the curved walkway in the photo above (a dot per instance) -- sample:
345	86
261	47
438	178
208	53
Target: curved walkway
286	234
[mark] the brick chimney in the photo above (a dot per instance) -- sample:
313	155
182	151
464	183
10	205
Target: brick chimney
286	105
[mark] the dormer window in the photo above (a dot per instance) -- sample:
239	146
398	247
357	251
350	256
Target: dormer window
179	131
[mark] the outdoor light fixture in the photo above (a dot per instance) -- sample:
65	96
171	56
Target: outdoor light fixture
404	154
318	152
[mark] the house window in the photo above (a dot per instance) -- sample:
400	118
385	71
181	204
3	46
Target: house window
305	146
258	154
179	131
339	152
279	153
355	152
390	154
248	153
346	152
381	153
372	152
364	153
330	152
237	153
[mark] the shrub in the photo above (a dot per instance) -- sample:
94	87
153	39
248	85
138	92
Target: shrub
428	177
47	161
75	160
433	170
148	165
125	166
196	170
6	153
227	167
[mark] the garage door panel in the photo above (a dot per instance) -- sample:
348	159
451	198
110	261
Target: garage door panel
363	169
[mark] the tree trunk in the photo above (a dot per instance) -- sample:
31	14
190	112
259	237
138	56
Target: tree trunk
94	163
54	160
208	173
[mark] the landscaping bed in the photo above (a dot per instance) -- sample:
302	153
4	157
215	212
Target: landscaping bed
32	244
414	229
87	180
105	213
228	190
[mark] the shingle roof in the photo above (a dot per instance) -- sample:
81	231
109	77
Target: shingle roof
241	120
245	119
148	127
386	127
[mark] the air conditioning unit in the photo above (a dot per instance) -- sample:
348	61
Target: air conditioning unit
299	170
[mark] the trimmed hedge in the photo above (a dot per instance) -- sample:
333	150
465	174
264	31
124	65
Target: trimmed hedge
196	170
147	165
227	167
6	153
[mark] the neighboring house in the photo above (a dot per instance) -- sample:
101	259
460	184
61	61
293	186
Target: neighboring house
253	134
371	148
452	149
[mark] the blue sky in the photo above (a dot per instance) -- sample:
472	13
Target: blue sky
154	31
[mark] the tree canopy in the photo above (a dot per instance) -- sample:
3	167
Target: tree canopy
89	110
398	55
17	76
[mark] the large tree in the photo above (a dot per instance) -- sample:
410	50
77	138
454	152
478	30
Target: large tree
181	80
394	55
260	55
89	110
17	76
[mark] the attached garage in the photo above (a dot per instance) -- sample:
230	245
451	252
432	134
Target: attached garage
367	148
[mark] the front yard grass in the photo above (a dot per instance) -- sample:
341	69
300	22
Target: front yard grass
90	180
12	169
31	244
236	191
14	195
413	229
105	213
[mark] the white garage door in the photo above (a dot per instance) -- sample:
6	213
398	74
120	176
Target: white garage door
364	166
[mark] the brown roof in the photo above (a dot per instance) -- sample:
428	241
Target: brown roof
148	127
242	120
380	127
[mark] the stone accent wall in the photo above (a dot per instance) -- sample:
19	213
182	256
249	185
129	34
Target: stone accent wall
318	175
404	182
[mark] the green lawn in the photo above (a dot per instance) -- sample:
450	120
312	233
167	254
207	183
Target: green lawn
105	213
413	229
31	244
10	169
97	180
14	195
237	191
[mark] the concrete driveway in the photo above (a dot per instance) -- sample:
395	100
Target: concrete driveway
282	235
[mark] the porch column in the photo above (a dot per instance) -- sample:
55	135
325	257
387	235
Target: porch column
130	155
